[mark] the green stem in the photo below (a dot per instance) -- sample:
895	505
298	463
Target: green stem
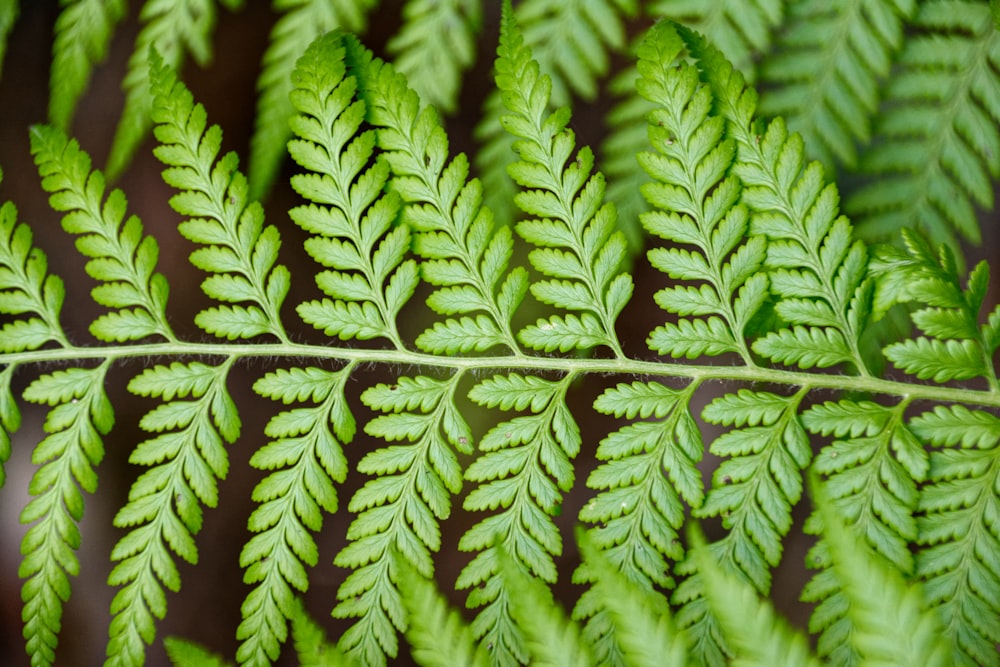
620	366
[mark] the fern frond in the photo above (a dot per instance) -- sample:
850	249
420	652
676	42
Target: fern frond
758	637
872	471
188	654
172	28
577	246
239	249
891	624
817	271
958	530
639	509
463	253
956	346
301	22
826	74
83	33
122	258
435	44
164	511
695	204
26	288
741	29
351	218
572	41
307	459
524	470
937	147
399	510
437	634
644	634
551	638
80	415
311	645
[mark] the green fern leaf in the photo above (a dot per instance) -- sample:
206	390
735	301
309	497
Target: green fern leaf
937	141
958	531
399	510
188	654
577	245
122	258
301	22
639	509
307	459
351	219
172	29
311	645
591	30
83	33
890	621
523	472
828	70
436	42
81	414
630	622
696	204
239	250
464	254
164	508
26	288
437	635
550	637
750	625
872	471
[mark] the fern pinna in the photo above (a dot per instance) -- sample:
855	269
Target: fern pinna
470	319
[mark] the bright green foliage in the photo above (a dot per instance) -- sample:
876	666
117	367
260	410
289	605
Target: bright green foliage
351	218
938	146
958	529
873	468
572	41
436	43
188	654
639	510
164	510
891	624
577	246
644	634
524	470
754	275
26	288
956	345
83	33
758	637
464	254
301	22
172	28
437	635
122	258
551	638
307	459
740	28
80	415
832	62
239	249
696	204
399	510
